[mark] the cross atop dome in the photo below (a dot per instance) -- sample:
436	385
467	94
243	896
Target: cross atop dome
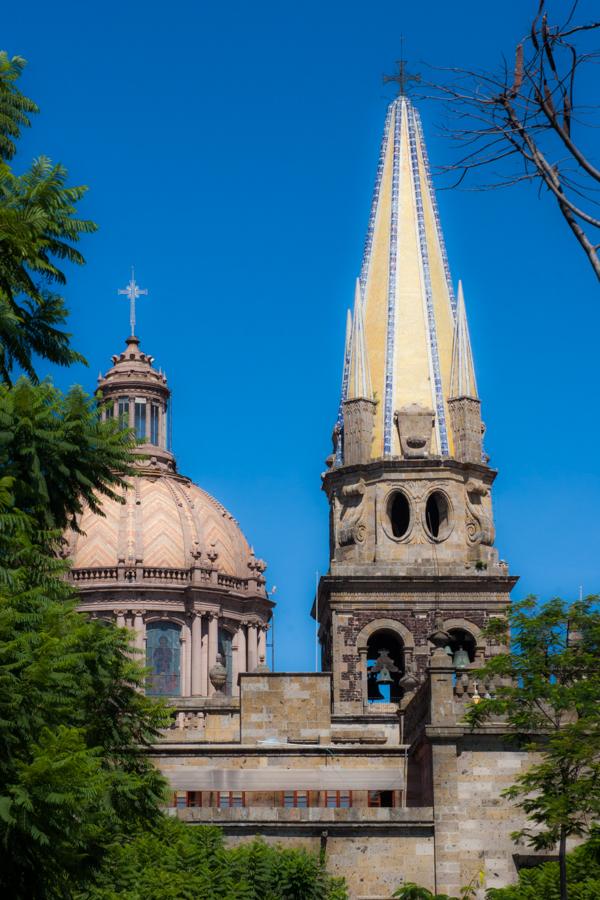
133	291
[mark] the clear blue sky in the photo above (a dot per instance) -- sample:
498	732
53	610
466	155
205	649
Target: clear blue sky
230	151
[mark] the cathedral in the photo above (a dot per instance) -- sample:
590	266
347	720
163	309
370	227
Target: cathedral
369	759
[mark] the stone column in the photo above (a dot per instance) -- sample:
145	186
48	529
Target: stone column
139	628
204	658
252	647
213	646
241	642
186	668
364	683
235	665
197	655
262	642
120	614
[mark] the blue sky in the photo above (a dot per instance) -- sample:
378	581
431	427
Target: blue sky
230	152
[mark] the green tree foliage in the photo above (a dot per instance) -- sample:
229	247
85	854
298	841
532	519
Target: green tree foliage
177	862
74	774
59	453
540	882
550	695
412	891
39	229
583	871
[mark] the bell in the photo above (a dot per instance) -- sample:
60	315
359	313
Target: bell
384	677
461	660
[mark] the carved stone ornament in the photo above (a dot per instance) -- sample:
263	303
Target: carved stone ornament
415	428
218	675
480	524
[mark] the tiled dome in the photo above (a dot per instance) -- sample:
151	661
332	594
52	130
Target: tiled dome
166	522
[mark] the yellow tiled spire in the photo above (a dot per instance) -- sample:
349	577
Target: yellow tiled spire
408	305
359	376
462	375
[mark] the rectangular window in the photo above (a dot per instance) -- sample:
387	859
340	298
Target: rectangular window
230	799
124	412
296	799
194	798
338	799
180	799
109	411
140	418
154	424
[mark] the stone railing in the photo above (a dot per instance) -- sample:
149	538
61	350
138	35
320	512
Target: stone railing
193	575
212	719
100	573
238	584
159	574
254	816
471	685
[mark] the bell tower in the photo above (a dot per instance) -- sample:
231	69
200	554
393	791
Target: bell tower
408	483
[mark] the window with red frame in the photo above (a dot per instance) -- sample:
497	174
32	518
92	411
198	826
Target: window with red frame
230	799
338	799
295	799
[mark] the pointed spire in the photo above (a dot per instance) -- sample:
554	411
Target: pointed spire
359	380
407	302
462	375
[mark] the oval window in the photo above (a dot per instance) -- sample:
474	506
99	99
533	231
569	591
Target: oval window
437	515
399	512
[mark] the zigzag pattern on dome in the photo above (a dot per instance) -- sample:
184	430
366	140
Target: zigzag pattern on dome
166	522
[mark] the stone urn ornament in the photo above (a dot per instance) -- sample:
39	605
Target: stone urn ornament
218	675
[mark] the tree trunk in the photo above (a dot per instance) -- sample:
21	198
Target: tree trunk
562	863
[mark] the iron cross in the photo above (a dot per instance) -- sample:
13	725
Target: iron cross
402	77
133	291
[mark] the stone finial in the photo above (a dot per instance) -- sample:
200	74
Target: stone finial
262	665
415	430
218	675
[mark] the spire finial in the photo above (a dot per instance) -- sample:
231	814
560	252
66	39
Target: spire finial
403	76
133	291
462	373
359	383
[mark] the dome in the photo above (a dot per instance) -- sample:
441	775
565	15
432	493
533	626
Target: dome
166	559
166	523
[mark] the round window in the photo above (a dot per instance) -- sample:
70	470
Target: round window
399	514
437	516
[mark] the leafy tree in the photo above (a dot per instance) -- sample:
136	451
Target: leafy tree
583	870
38	232
549	692
74	726
59	453
412	891
180	861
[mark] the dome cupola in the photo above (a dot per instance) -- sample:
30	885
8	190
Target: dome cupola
167	559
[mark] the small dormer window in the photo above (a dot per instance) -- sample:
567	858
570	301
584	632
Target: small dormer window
154	419
140	418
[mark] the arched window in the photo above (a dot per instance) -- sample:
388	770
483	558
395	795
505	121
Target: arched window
163	658
385	667
225	638
460	639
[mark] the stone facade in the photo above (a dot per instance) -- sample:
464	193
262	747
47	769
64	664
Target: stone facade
371	759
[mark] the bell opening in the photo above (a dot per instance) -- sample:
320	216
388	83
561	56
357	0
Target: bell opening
463	643
385	667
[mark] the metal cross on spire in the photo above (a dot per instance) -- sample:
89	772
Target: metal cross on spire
133	291
402	77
